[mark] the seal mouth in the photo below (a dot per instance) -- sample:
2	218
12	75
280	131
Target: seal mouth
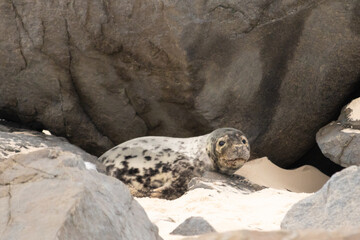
236	162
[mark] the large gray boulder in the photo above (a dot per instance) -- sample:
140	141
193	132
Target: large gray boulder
340	140
102	72
48	194
335	207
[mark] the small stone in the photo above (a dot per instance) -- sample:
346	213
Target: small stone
193	226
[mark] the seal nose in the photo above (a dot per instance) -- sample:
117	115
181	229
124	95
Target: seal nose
239	149
242	151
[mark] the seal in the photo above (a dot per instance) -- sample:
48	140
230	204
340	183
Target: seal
163	166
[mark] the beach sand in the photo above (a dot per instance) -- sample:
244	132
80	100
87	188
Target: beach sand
233	209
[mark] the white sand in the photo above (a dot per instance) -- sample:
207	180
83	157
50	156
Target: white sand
225	211
227	208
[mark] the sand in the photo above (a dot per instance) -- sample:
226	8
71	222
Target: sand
228	209
303	179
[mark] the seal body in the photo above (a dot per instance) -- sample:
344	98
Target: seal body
163	166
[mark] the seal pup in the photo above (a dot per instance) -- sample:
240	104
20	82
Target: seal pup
163	166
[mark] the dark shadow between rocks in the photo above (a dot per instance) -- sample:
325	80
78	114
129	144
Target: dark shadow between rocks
315	158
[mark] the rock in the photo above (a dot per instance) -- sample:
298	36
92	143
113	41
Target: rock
48	194
102	72
14	140
341	145
350	114
334	207
281	235
193	226
340	140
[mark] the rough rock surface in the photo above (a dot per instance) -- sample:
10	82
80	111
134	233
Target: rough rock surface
14	140
281	235
48	194
340	140
334	207
341	145
193	226
102	72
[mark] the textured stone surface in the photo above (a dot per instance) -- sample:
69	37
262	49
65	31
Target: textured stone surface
340	144
48	194
14	140
340	140
281	235
193	226
102	72
334	207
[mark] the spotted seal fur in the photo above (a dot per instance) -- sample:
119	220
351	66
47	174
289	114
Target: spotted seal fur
163	166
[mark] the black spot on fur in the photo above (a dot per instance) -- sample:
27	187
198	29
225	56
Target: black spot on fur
143	152
149	172
143	141
153	172
130	156
157	147
109	167
148	158
133	171
124	148
156	159
159	165
120	174
139	179
167	150
147	182
166	168
118	155
125	164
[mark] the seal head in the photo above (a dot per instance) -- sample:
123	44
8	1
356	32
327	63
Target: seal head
228	149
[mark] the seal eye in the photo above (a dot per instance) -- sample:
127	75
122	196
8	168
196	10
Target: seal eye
243	141
221	143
